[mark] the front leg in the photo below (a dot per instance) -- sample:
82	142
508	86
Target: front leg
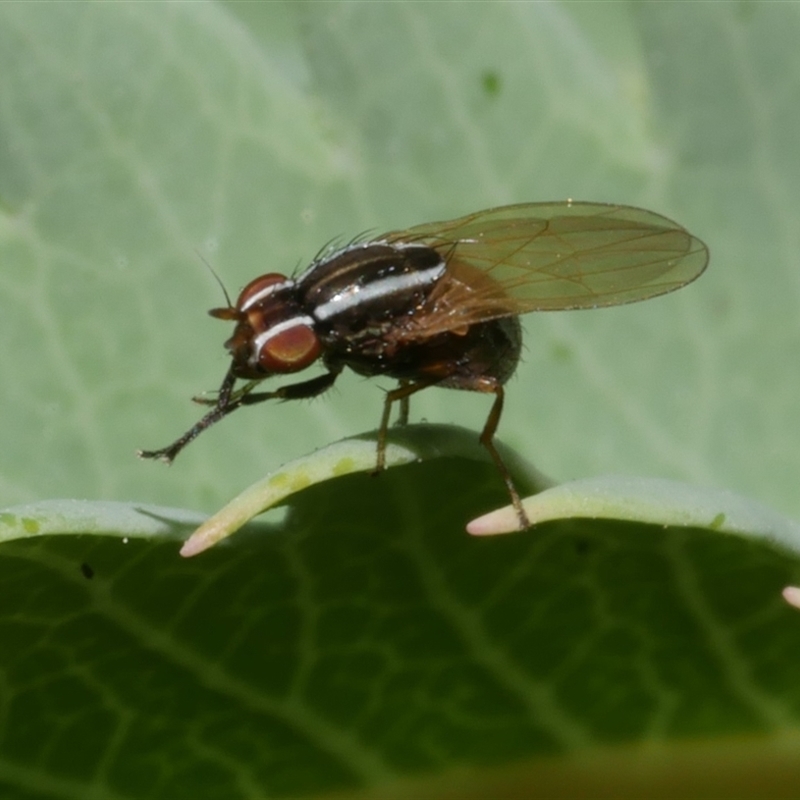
294	391
228	401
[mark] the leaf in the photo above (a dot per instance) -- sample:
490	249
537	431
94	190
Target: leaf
404	446
650	500
366	638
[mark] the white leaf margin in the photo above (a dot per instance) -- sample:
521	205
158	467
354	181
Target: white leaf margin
650	501
654	501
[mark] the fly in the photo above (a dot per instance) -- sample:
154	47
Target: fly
438	305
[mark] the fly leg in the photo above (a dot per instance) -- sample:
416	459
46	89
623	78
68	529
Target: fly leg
294	391
487	440
222	406
228	401
402	417
401	393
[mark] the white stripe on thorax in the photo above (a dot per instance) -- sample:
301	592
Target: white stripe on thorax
327	256
266	292
268	334
351	297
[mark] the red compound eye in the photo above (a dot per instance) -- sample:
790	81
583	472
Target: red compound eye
289	346
261	288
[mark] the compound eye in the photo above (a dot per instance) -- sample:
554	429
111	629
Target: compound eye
289	346
260	288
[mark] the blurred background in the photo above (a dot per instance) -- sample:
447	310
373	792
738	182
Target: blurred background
136	138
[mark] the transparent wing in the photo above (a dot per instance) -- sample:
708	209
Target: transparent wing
551	256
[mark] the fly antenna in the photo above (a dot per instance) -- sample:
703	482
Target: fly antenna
216	277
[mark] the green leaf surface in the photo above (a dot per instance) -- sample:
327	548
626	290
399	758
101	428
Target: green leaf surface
366	637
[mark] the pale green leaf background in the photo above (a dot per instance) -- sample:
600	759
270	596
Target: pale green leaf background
133	135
